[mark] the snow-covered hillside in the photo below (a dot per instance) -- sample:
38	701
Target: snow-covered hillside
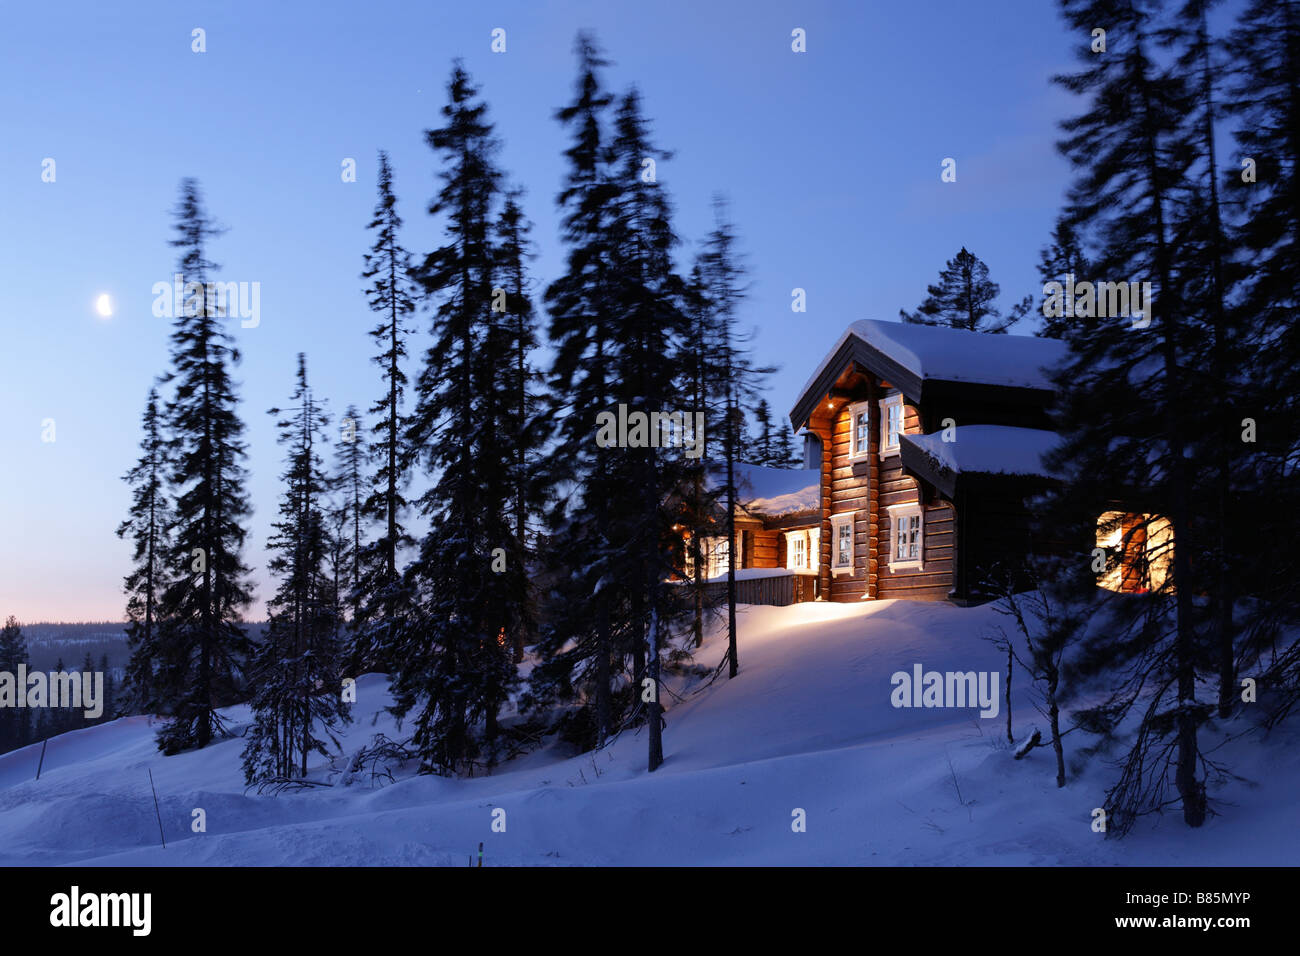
808	725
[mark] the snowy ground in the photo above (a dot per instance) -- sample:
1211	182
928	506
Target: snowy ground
807	725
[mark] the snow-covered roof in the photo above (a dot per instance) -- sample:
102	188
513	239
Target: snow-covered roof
772	492
988	450
955	355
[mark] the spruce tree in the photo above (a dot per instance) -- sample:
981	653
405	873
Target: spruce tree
736	382
511	340
699	517
349	485
15	726
1210	276
1263	180
110	689
617	324
762	440
1058	261
202	645
454	660
580	643
295	672
382	600
61	719
647	364
1122	411
965	298
87	671
146	524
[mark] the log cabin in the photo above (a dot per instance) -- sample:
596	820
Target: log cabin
922	449
930	442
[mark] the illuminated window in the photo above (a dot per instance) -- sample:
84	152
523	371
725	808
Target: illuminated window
842	535
860	434
1137	551
891	423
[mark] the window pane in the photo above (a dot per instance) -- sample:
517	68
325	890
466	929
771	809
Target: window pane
893	422
860	432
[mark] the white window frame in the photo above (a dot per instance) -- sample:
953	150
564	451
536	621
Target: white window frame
810	538
886	448
837	522
717	555
896	514
854	450
790	550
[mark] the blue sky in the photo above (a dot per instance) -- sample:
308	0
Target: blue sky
830	159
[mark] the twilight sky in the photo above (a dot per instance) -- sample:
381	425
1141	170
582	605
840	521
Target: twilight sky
830	158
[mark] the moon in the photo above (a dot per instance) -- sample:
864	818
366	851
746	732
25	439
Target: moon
104	305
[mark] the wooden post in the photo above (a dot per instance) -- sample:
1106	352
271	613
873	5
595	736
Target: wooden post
157	813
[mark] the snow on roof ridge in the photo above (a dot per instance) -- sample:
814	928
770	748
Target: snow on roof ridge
955	355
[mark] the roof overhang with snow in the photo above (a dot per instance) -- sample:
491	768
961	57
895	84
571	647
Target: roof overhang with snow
929	363
766	492
978	450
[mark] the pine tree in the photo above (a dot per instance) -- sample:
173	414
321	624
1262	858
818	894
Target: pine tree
1209	281
617	324
579	645
348	482
146	523
1059	260
762	440
454	662
771	441
383	601
61	720
1264	180
110	689
512	338
296	680
87	675
1122	408
647	368
700	500
784	454
15	728
736	383
964	298
202	646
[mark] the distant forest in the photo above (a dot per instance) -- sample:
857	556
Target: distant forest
48	641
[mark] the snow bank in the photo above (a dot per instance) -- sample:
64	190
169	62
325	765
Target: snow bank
807	724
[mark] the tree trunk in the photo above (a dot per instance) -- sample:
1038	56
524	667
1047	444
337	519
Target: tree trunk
1054	720
1011	656
654	710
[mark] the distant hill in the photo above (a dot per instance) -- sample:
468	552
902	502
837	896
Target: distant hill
47	641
